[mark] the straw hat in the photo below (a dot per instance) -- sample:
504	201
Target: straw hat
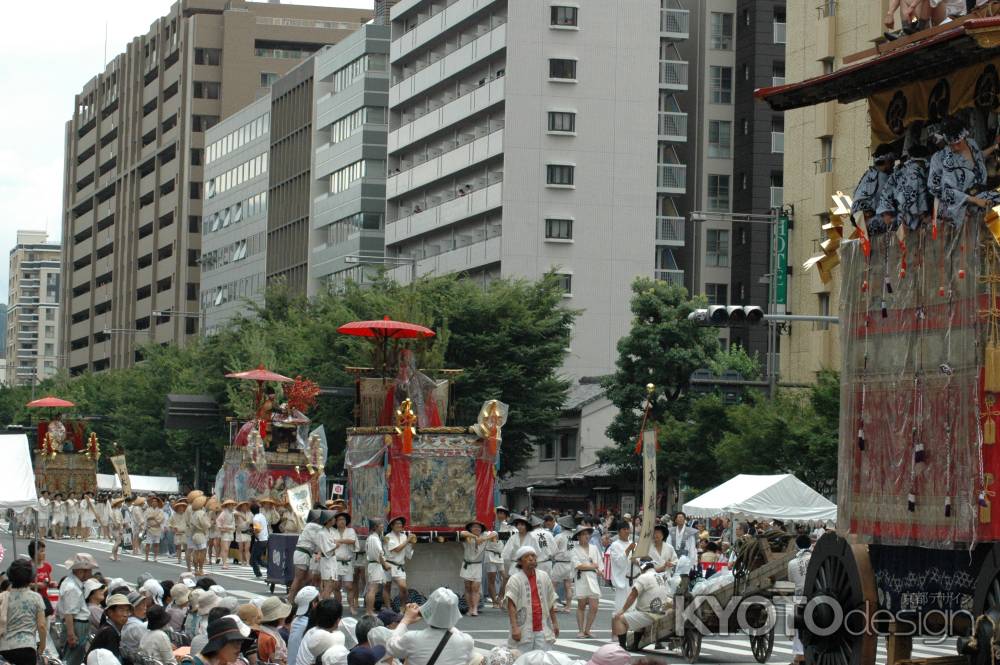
139	501
266	499
199	502
273	608
214	505
153	498
117	501
228	503
81	561
180	506
241	504
469	525
194	494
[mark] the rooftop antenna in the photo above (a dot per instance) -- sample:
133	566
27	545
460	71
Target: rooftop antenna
104	62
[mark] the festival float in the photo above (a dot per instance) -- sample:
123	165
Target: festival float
917	549
65	452
273	450
404	459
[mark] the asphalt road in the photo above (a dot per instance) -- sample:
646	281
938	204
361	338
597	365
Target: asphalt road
489	629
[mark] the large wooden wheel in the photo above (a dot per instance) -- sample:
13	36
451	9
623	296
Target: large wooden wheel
691	645
986	610
841	596
761	646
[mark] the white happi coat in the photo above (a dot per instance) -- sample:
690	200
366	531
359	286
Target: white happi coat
519	592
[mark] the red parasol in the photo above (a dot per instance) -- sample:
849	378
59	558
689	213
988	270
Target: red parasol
259	374
385	329
49	402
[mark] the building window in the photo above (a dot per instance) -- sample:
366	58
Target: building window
559	174
559	229
716	294
722	31
208	56
827	65
565	16
562	121
718	193
566	282
267	78
561	68
745	124
567	445
720	138
824	310
825	163
717	248
547	450
207	90
746	72
721	84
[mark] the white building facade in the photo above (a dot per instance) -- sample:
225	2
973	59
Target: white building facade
33	309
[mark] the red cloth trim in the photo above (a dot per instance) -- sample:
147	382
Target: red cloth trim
485	479
399	481
536	604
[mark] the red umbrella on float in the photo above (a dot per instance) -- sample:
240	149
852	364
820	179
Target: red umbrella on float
261	374
49	402
381	331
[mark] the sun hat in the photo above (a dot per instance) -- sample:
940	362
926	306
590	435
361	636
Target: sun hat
349	627
154	590
514	518
243	503
199	503
320	640
389	616
346	515
566	522
194	494
304	598
101	657
335	655
81	561
223	631
219	590
379	636
249	614
207	602
469	525
441	609
90	586
274	609
365	655
501	509
228	502
180	593
397	518
610	654
114	504
524	550
230	603
117	600
580	529
500	656
139	501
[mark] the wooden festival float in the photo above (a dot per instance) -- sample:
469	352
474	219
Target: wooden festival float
917	551
65	453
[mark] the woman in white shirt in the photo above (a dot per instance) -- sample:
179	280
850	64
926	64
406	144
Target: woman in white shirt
337	565
660	551
156	644
474	540
586	562
398	549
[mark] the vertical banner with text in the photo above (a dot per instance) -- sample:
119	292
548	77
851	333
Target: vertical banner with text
781	269
648	493
300	500
121	470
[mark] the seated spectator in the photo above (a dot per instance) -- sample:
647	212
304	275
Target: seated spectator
271	647
102	657
94	592
198	642
441	614
225	637
155	643
365	624
117	612
324	633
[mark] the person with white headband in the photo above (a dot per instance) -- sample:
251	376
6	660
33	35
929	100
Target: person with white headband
531	601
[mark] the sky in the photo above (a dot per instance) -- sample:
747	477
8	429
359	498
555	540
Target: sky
47	53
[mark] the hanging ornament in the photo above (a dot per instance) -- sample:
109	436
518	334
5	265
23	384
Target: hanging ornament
885	310
888	285
947	506
989	424
861	435
405	426
918	454
911	502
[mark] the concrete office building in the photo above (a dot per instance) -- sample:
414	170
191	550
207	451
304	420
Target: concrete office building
32	338
328	147
826	149
519	144
234	215
758	155
133	182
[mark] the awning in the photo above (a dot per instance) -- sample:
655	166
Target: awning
782	497
141	484
17	477
944	50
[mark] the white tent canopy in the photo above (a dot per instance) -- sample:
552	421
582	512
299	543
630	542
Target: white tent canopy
782	497
17	477
141	484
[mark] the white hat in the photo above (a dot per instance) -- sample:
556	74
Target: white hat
335	655
441	608
207	602
348	626
304	598
82	561
379	636
90	586
320	640
524	549
240	624
154	590
219	591
540	657
101	657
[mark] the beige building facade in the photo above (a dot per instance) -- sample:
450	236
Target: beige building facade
133	178
826	150
33	309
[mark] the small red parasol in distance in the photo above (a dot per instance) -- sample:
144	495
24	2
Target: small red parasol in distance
50	402
385	329
259	374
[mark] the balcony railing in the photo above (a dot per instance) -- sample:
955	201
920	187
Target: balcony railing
675	23
673	126
674	74
777	197
777	80
672	178
778	142
670	229
672	276
779	32
824	165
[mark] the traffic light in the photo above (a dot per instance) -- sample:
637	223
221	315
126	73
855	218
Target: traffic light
721	316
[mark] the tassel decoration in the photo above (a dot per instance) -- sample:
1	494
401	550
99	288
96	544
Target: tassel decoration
911	502
885	310
861	438
918	454
989	431
982	500
888	286
947	506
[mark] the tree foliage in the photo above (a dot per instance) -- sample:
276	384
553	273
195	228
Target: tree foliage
509	338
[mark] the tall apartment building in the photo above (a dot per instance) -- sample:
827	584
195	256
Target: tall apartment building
519	143
134	159
327	180
234	219
382	11
825	151
295	181
758	155
32	339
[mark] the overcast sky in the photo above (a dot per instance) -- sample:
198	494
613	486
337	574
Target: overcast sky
48	52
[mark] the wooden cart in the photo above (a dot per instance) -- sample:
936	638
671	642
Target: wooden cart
755	577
